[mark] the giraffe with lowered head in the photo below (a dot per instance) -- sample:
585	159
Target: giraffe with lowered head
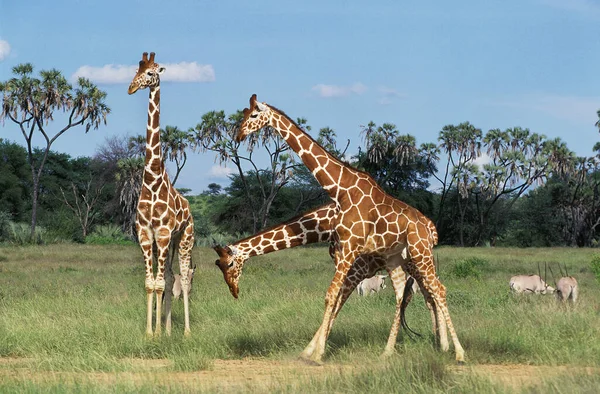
312	227
163	219
368	221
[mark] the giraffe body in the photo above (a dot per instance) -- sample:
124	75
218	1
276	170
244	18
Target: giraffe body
368	221
312	227
163	220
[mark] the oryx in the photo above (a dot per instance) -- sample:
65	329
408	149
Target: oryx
530	283
566	287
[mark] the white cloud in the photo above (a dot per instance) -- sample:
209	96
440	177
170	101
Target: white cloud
577	109
329	91
482	160
174	72
388	95
4	49
220	172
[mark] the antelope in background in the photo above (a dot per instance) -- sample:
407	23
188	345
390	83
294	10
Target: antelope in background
566	287
530	283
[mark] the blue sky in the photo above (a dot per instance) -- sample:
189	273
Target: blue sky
419	65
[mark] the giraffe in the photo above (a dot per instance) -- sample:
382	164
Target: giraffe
163	219
368	221
312	227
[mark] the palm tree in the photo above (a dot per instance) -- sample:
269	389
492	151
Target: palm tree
31	103
175	142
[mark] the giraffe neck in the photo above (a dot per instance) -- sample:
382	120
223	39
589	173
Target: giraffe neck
154	163
311	227
329	171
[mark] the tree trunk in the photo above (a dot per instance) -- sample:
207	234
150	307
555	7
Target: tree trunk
34	204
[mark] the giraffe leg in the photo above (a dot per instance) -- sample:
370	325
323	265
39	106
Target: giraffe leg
398	279
438	323
316	348
146	240
185	255
162	245
423	260
168	294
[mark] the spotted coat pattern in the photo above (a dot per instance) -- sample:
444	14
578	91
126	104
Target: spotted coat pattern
163	215
368	221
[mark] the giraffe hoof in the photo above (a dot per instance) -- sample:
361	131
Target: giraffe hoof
461	362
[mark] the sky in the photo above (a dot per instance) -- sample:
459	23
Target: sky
420	65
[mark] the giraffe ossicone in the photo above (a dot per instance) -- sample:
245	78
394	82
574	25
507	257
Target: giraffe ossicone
163	218
368	222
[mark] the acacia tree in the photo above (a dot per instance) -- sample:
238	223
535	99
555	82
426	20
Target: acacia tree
83	204
216	133
32	102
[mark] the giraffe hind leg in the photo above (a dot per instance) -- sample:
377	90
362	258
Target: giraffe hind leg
186	244
423	261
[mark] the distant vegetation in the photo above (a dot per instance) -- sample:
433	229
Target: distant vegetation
527	190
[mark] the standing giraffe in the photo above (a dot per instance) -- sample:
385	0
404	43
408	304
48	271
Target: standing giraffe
368	221
312	227
163	215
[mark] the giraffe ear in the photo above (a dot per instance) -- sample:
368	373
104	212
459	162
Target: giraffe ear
161	70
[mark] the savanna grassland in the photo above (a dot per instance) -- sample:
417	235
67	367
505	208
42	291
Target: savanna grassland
72	319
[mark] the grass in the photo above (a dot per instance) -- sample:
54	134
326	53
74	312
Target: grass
74	316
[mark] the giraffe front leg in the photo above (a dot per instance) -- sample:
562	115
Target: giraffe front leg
162	246
145	240
168	294
316	348
185	256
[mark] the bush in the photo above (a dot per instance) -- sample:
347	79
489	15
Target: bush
108	234
20	234
595	266
468	268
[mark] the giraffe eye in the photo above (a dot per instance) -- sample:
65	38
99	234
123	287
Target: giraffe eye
230	264
254	115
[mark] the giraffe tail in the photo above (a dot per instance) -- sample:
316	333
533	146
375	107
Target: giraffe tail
406	298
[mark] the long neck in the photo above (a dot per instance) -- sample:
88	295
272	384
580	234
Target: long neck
154	163
330	172
310	227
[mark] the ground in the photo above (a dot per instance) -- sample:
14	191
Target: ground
259	374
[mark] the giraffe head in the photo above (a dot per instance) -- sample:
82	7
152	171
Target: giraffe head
231	265
255	118
147	75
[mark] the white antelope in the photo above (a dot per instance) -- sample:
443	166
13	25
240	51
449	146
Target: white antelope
530	283
566	287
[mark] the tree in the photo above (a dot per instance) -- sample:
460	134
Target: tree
462	145
214	189
84	204
32	102
15	182
216	133
518	159
175	143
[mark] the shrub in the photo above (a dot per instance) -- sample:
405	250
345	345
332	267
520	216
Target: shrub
108	234
20	234
468	268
